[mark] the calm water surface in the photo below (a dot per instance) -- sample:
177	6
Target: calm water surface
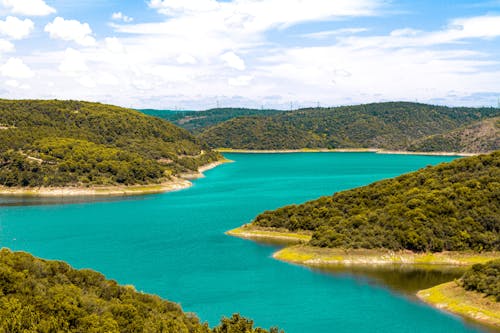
173	245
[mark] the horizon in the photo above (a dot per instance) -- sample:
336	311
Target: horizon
204	54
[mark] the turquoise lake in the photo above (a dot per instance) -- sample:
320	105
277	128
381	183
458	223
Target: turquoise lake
174	245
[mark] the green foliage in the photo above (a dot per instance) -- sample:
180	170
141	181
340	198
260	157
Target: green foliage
452	206
381	125
196	121
49	296
483	136
484	278
55	143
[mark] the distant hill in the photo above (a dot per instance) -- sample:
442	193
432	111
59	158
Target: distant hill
449	207
393	126
71	143
480	137
196	121
50	296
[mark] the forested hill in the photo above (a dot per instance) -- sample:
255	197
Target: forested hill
62	143
484	278
482	136
451	206
50	296
196	121
393	126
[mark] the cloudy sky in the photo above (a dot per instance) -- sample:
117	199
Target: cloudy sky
196	54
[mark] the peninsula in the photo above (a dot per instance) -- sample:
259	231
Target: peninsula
448	214
79	148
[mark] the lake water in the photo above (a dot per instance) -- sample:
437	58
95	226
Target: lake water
174	245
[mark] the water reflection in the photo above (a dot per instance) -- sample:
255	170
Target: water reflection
10	200
405	279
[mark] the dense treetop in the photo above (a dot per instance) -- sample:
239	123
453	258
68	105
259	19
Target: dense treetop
195	121
49	296
394	125
56	143
484	278
451	206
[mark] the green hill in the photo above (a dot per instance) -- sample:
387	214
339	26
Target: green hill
49	296
196	121
450	207
393	126
71	143
480	137
484	278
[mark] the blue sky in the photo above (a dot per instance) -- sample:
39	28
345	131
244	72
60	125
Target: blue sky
195	54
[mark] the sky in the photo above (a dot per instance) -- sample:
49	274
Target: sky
199	54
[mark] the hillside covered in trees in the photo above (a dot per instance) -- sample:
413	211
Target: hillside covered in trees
482	136
71	143
393	126
196	121
484	278
49	296
449	207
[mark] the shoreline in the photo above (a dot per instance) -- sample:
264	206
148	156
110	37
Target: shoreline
342	150
452	298
447	297
303	254
269	234
175	184
323	257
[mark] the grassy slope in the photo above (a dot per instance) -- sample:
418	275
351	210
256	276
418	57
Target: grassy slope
61	143
392	126
470	304
479	137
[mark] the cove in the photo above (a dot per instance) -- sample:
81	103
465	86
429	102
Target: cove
174	245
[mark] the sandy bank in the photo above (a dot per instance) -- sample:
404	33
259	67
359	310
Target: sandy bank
322	257
469	304
353	150
175	184
256	233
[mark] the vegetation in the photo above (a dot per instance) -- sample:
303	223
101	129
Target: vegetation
453	298
49	296
393	126
484	278
483	136
196	121
62	143
450	207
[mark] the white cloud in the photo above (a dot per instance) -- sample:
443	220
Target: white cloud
119	16
332	33
74	62
16	28
233	61
87	81
171	7
114	45
16	68
12	83
240	81
70	30
6	46
186	59
28	7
